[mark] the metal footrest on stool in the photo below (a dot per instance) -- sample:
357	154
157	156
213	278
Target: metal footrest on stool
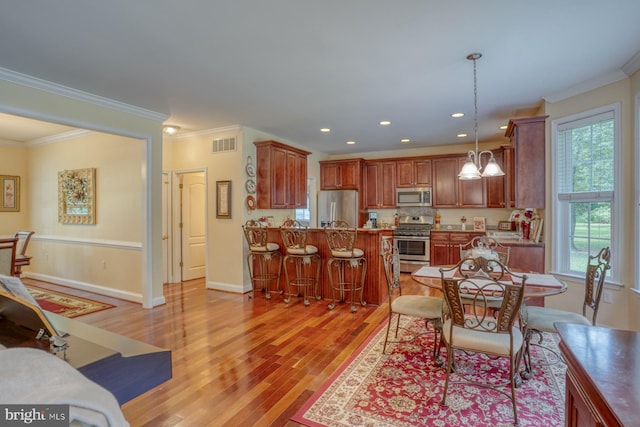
350	274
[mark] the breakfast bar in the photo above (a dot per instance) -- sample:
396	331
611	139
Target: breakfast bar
375	285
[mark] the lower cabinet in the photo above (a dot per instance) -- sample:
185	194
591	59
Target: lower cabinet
445	246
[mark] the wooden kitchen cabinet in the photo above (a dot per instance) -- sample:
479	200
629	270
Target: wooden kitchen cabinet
379	184
413	173
281	176
341	174
496	195
445	245
451	192
525	162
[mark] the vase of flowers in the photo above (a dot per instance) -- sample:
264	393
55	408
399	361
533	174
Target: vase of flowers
523	222
463	220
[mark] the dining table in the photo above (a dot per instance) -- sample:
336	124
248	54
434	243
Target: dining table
536	285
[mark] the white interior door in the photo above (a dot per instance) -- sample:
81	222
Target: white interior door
166	228
193	229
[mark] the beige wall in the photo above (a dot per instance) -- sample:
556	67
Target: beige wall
106	255
13	161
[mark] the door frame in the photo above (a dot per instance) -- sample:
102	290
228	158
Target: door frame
176	247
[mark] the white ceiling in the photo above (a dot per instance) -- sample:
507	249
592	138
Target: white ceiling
290	67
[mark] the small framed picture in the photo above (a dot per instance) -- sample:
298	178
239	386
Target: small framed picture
479	223
223	199
10	201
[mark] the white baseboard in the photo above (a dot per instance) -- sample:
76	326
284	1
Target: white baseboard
227	287
97	289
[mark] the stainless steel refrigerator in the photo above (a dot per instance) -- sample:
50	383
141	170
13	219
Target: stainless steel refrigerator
337	205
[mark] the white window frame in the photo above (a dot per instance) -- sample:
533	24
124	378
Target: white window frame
560	216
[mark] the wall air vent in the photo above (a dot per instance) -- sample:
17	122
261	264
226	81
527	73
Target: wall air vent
224	145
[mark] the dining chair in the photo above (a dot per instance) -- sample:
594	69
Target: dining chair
22	259
8	256
542	319
485	246
471	290
424	307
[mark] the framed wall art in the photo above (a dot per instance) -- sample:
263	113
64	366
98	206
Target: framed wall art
10	193
479	223
77	196
223	199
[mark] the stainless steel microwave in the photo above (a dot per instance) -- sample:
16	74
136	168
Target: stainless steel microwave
413	196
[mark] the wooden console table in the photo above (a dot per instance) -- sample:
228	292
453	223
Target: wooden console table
603	375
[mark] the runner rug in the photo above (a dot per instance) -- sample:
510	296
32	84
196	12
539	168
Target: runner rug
64	304
404	388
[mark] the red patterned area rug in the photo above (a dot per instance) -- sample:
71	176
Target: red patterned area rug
404	388
64	304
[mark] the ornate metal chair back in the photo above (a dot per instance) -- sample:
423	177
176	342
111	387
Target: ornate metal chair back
475	246
391	262
594	282
256	234
341	239
294	235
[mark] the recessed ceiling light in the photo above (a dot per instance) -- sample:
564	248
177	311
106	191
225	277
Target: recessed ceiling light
351	142
325	130
461	135
456	115
503	127
405	140
385	122
170	129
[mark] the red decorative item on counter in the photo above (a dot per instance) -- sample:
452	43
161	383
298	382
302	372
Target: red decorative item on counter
526	230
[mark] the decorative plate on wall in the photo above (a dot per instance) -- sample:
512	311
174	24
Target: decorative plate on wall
251	186
251	203
250	168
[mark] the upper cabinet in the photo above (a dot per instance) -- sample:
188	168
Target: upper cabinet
281	176
525	162
496	195
451	192
379	184
340	174
413	173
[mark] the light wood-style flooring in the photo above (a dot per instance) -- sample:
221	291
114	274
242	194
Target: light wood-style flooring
236	361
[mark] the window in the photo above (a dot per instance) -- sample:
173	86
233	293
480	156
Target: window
304	216
585	151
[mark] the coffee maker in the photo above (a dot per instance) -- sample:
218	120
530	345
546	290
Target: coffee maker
373	217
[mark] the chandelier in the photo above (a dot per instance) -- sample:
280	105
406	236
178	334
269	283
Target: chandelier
471	168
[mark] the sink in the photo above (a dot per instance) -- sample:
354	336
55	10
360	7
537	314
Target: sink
503	234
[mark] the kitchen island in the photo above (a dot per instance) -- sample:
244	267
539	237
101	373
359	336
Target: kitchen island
368	239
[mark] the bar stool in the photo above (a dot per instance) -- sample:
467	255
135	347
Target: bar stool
262	254
346	261
304	257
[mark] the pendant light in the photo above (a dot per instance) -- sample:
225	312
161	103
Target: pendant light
471	168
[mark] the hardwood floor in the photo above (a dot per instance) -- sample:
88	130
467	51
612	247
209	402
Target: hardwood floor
236	361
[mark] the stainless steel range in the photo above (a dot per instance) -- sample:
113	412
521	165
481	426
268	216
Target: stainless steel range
411	237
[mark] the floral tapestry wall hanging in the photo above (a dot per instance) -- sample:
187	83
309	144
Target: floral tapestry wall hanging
76	196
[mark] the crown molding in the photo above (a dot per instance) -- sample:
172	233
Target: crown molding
632	65
78	95
586	86
208	132
59	137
